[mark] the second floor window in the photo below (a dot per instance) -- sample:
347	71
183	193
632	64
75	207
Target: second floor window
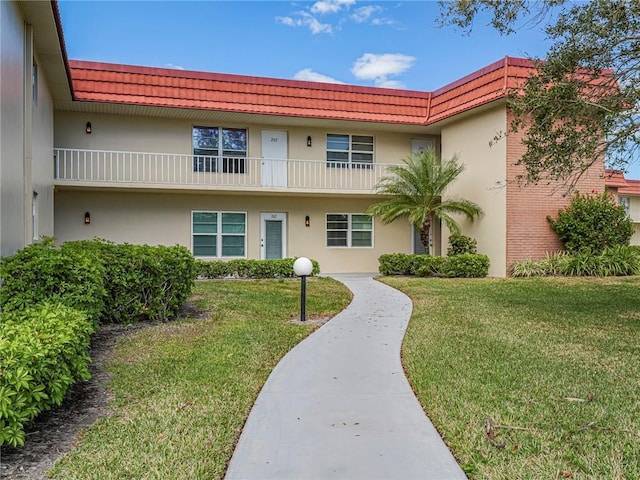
349	151
222	150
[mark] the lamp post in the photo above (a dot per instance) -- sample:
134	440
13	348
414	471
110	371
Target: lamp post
303	268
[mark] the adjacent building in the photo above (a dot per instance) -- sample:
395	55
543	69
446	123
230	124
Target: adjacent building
627	194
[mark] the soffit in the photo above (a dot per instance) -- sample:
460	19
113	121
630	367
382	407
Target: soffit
47	42
239	118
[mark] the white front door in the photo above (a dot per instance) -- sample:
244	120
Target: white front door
273	235
274	158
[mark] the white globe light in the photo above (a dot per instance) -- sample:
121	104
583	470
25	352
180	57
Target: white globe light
302	267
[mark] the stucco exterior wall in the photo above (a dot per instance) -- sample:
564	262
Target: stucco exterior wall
42	161
165	218
161	135
528	232
482	181
26	138
12	152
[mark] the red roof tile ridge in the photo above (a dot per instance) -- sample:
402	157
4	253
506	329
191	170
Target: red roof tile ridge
254	80
502	63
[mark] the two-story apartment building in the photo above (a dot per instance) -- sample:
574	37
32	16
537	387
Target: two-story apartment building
234	166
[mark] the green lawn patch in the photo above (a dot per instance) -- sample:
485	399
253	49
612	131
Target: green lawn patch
184	389
532	378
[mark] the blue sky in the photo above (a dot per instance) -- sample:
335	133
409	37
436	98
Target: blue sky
393	44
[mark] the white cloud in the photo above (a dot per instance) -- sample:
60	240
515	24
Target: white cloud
323	7
309	16
305	19
175	67
309	75
316	27
382	21
378	68
390	84
290	22
363	14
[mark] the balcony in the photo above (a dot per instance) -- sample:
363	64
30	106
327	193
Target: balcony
116	169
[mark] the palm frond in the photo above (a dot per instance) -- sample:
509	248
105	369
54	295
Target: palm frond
415	189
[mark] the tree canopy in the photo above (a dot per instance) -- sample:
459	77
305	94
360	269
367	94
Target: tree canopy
583	104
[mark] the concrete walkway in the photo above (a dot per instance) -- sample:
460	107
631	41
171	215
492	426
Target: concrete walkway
339	406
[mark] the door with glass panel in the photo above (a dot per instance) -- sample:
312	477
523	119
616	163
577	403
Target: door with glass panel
273	235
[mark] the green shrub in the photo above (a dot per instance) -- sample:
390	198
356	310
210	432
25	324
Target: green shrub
592	223
582	264
428	266
465	265
45	272
167	275
213	269
394	264
245	268
552	265
459	244
141	281
621	260
44	351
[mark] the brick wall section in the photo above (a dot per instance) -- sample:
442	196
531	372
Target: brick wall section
528	232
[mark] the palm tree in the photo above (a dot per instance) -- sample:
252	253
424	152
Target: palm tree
415	192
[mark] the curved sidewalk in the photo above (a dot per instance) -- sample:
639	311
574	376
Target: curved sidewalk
339	406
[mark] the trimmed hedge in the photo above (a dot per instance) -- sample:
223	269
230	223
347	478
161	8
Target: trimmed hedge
141	281
44	351
467	265
45	272
109	282
241	268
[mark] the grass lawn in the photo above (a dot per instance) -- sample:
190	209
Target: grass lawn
553	363
184	389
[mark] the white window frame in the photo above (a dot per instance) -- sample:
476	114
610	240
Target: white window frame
349	230
219	234
349	162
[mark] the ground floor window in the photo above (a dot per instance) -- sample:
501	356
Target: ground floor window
349	230
218	234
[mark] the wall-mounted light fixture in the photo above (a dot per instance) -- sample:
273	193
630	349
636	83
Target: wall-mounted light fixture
87	128
307	221
87	218
309	141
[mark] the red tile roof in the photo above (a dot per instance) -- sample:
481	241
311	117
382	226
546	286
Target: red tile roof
133	85
615	179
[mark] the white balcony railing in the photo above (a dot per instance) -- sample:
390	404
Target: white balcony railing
73	166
